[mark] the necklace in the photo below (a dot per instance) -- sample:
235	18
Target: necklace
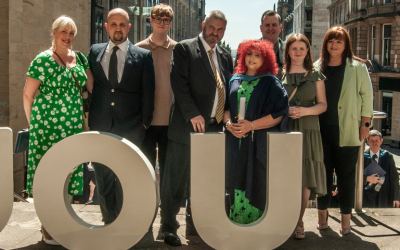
297	64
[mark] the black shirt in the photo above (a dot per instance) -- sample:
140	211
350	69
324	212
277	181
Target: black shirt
333	87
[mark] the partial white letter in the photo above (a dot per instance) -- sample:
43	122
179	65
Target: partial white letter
6	176
134	172
284	176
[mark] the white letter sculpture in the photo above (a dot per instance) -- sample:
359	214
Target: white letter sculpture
6	176
134	172
284	176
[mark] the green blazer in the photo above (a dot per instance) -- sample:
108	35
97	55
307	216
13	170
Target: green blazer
355	100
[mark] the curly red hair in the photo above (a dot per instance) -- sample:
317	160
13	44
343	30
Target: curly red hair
265	49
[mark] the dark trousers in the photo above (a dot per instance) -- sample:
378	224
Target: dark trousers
176	181
108	187
156	136
343	160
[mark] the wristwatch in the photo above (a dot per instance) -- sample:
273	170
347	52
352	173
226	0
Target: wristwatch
366	124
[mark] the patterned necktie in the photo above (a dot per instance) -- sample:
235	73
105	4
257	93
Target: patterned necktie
221	93
374	157
113	68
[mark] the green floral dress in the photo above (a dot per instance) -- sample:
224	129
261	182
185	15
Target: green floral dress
241	211
57	112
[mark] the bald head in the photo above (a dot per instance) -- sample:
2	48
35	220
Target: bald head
118	11
118	25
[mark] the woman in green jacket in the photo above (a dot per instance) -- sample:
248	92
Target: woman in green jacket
346	122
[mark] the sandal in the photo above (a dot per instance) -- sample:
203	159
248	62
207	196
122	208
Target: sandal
324	226
345	231
299	232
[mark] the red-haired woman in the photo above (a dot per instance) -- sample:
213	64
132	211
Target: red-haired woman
266	108
306	91
345	123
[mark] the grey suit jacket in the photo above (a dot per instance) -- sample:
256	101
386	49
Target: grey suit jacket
194	86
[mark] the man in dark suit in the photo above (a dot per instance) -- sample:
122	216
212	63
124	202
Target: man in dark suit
199	72
388	194
122	99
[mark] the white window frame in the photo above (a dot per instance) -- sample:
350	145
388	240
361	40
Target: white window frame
383	44
373	41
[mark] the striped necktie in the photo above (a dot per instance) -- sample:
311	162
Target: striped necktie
221	93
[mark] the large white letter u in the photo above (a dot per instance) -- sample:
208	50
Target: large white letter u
283	193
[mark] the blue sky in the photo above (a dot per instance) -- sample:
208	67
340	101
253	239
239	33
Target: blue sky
244	18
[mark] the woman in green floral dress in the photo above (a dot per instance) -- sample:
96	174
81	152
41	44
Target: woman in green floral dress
266	110
57	111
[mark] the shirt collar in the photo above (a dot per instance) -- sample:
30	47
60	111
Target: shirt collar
205	44
123	46
153	45
372	153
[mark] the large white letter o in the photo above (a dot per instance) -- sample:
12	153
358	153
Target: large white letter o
134	172
6	176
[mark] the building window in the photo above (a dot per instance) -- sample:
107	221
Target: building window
340	14
388	1
387	37
96	25
373	3
353	37
372	43
113	4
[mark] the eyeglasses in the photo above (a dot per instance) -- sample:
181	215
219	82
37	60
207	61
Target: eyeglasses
159	20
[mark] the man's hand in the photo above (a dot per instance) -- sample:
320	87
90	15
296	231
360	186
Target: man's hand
198	123
374	178
364	132
396	204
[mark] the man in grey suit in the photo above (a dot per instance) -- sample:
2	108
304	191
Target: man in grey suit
122	99
200	70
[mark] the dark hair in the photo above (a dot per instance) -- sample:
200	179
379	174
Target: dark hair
265	49
339	33
271	13
308	62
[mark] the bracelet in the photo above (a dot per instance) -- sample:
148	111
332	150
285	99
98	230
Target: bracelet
252	131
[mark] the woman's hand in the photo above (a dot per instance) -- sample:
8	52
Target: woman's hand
295	112
241	128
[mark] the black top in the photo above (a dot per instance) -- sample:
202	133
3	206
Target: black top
333	87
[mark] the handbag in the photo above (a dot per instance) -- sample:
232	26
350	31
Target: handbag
22	141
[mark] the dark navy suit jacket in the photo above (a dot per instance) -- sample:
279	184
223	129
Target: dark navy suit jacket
124	109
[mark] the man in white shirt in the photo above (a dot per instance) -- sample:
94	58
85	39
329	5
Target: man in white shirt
388	194
122	99
199	72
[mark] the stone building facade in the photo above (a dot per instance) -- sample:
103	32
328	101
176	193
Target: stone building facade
374	28
307	17
26	31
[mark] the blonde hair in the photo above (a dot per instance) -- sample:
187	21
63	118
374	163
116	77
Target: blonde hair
60	23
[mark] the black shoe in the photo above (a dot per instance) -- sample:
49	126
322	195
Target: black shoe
172	239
